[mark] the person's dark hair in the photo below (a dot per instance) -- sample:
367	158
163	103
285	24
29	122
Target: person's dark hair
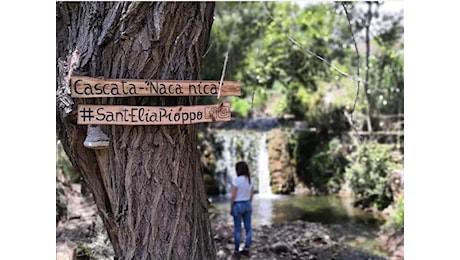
243	169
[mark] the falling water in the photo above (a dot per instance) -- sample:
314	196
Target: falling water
228	155
268	209
250	146
263	170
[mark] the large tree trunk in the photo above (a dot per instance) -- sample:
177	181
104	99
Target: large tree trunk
148	185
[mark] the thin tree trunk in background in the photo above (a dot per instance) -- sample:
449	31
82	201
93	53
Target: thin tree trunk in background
148	185
368	53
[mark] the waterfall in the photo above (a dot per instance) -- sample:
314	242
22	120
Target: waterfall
228	155
263	170
247	145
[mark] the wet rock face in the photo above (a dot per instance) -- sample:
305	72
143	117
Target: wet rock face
281	171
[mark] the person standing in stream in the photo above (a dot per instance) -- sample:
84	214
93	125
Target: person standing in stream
240	206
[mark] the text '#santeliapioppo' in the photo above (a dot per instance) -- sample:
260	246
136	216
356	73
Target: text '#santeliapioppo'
145	115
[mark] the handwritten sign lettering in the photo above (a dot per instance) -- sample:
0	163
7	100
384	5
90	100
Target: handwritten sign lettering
148	115
87	87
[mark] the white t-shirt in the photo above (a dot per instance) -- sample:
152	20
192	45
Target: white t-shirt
243	192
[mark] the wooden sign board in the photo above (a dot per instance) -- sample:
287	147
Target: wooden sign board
148	115
87	87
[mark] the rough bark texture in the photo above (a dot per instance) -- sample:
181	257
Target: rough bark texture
148	186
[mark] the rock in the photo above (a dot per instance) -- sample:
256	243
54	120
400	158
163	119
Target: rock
393	242
300	188
281	169
279	247
319	240
221	253
83	230
66	250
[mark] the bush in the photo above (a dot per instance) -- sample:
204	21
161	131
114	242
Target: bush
396	220
241	107
369	175
301	147
326	167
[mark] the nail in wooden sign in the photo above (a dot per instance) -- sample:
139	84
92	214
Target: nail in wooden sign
148	115
87	87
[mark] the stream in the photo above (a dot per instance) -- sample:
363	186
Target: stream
353	227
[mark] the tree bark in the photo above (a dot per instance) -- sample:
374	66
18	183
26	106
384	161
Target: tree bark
148	185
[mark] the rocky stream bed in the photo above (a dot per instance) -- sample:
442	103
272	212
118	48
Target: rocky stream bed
81	235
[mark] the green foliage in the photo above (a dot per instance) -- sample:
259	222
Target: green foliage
264	57
241	107
262	54
301	147
246	21
385	77
313	28
396	220
319	164
304	103
326	167
345	96
369	175
260	98
275	56
388	75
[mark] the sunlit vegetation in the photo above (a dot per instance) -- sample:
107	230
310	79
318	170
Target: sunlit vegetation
302	62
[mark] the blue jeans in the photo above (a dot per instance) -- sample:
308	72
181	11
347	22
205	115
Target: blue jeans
242	210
